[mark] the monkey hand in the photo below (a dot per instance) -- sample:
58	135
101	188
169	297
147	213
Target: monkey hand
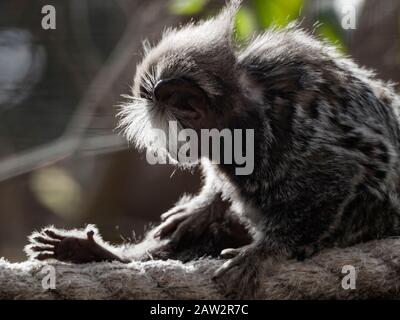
193	215
174	218
51	244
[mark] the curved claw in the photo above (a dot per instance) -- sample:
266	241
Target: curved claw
230	253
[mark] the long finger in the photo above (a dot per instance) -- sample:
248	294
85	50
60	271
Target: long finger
42	248
170	213
53	235
44	240
45	256
168	227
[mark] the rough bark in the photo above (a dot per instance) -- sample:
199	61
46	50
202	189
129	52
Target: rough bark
377	267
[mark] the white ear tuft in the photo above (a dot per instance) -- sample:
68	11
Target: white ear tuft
235	4
226	19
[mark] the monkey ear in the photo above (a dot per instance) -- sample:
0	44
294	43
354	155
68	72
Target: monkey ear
225	21
182	95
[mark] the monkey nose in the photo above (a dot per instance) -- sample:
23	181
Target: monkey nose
164	89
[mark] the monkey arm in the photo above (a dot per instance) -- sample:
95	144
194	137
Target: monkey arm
197	226
204	235
188	207
83	246
207	202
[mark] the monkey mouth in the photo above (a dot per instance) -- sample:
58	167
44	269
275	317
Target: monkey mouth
182	97
187	112
187	115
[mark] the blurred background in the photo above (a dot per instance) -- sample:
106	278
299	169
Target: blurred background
61	160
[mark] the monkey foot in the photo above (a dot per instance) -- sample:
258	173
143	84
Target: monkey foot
50	244
237	277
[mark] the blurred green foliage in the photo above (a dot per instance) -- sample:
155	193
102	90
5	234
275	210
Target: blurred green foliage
331	33
330	28
256	15
277	12
187	7
246	23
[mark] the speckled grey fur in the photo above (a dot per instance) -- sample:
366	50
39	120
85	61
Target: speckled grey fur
327	142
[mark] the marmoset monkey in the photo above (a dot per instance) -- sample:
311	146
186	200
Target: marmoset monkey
326	162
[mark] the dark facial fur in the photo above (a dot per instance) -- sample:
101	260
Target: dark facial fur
189	77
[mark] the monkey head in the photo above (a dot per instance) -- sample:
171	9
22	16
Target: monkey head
188	77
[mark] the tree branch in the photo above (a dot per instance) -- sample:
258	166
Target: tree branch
377	264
